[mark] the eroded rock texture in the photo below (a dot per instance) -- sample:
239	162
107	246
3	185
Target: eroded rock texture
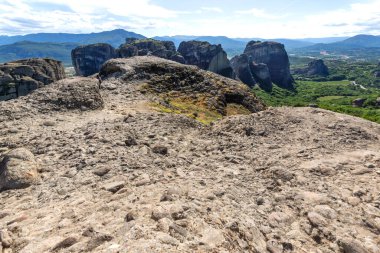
206	56
273	55
87	60
19	78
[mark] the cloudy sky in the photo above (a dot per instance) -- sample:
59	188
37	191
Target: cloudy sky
233	18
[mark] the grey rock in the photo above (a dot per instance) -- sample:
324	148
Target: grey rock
206	56
18	169
314	68
114	186
19	78
87	60
273	55
359	102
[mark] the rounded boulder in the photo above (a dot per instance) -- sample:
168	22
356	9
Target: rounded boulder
18	169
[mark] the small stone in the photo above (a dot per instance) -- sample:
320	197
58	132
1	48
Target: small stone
130	141
164	224
174	230
160	150
130	216
97	241
370	165
144	179
68	242
101	171
159	212
361	171
167	239
352	246
316	219
260	201
114	186
5	239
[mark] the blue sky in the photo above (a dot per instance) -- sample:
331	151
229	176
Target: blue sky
237	18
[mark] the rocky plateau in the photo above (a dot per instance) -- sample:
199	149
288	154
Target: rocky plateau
117	166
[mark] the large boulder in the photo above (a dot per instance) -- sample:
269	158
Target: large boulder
206	56
18	78
18	169
87	60
68	94
314	68
182	82
273	55
142	47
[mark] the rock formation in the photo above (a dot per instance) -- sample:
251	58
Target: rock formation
359	102
19	78
132	177
142	47
167	77
273	55
378	102
206	56
314	68
263	63
242	71
88	59
251	73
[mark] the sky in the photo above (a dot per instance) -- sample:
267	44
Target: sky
232	18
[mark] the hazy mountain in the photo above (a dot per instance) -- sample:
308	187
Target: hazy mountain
324	40
363	47
27	49
114	37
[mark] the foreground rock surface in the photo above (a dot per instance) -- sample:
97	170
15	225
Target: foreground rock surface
127	178
19	78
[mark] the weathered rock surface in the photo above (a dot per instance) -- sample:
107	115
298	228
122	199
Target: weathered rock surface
88	59
273	55
18	169
183	81
242	71
247	183
262	74
19	78
314	68
206	56
143	47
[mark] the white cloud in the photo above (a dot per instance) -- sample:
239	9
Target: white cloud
260	13
20	16
212	9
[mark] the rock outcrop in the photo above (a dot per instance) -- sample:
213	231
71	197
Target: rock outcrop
314	68
273	55
206	56
87	60
242	71
143	47
251	73
183	82
263	63
18	169
18	78
359	102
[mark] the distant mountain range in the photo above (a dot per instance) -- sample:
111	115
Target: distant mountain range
364	47
114	37
59	45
